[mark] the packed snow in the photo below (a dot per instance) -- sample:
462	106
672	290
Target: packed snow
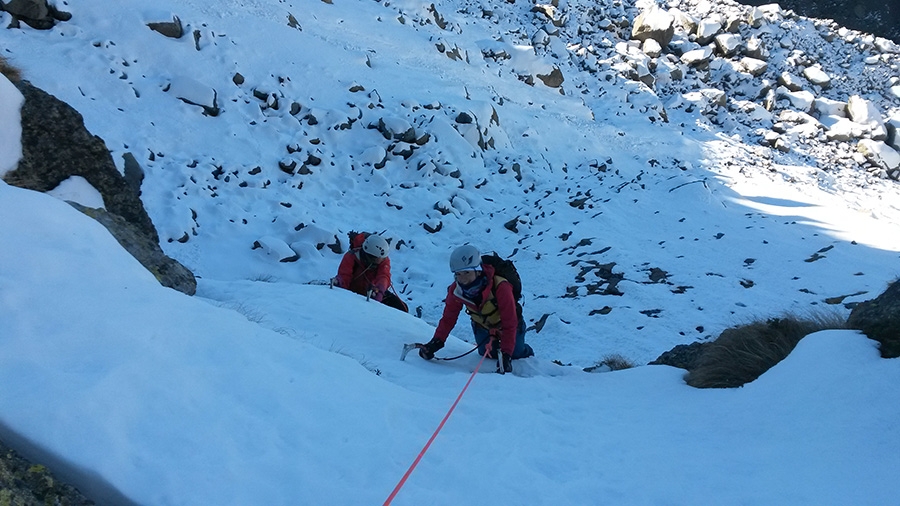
268	387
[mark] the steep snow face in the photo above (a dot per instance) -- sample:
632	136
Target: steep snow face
269	132
651	194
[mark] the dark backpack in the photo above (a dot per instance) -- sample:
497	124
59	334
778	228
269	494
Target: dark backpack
507	270
357	239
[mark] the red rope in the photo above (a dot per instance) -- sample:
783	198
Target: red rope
440	426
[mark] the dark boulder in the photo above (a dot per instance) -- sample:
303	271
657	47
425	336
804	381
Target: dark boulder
167	271
879	319
37	14
56	146
685	356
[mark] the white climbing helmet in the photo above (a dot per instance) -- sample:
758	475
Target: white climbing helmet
466	257
376	246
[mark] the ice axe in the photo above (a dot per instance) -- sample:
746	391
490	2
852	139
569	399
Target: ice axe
414	346
408	348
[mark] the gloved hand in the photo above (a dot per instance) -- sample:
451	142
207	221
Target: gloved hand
428	350
335	282
506	362
375	293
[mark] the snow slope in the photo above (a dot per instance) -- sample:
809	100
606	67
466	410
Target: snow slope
631	235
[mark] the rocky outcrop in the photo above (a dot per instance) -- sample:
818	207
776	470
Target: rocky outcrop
741	354
29	484
683	356
167	271
879	319
37	14
57	146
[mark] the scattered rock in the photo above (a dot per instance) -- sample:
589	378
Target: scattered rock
172	29
37	14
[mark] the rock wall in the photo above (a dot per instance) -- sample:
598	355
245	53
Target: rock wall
56	146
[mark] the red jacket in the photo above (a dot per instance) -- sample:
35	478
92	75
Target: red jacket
356	277
498	302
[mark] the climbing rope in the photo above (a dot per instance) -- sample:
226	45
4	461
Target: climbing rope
436	431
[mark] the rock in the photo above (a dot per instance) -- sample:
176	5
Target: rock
817	76
728	43
167	271
753	66
697	57
30	483
193	92
684	356
552	80
893	130
802	100
790	81
37	14
57	146
879	153
756	49
276	248
844	130
655	24
829	107
864	112
708	28
879	319
172	29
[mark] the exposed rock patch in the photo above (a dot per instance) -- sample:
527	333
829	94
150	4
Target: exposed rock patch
23	483
57	146
879	319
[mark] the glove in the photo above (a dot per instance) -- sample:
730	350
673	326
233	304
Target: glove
428	350
506	362
375	293
336	282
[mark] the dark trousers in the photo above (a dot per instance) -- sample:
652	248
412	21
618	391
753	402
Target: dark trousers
390	299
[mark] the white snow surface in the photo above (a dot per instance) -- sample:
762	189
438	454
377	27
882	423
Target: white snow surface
10	128
269	388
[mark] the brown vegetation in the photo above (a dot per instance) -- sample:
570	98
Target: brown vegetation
741	354
614	362
11	73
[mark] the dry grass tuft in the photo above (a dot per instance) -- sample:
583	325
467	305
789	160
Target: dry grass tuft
611	362
741	354
11	73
